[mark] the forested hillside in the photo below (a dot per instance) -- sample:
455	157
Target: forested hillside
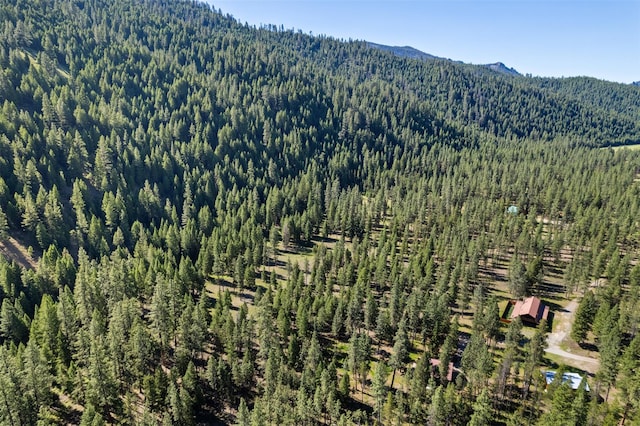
208	223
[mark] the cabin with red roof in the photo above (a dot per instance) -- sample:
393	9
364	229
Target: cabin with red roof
530	310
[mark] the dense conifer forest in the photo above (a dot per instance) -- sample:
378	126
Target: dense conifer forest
203	222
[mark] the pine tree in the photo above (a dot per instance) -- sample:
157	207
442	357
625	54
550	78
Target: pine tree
379	388
438	409
344	388
400	349
491	320
477	362
511	354
534	351
359	353
101	387
482	413
561	408
38	379
609	348
11	327
175	407
580	404
244	418
4	226
161	312
447	351
30	214
535	272
517	277
629	381
10	403
585	315
91	417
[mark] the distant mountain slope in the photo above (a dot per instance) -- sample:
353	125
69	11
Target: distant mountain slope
624	99
413	53
472	95
499	99
403	51
502	68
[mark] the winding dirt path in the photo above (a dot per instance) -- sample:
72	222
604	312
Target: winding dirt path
562	322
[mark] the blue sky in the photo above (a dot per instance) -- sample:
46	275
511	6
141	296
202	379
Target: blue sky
544	38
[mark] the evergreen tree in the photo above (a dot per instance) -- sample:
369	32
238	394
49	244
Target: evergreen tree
517	278
561	408
400	349
482	413
38	379
609	348
379	387
534	351
585	315
243	414
4	226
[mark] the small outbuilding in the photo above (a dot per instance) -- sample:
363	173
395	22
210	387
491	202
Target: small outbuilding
530	310
513	210
572	379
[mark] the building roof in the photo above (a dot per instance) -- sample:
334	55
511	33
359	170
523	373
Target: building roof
436	362
573	379
532	307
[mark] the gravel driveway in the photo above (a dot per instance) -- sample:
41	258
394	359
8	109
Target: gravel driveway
562	322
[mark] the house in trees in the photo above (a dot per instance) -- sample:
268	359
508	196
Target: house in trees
530	310
572	379
435	365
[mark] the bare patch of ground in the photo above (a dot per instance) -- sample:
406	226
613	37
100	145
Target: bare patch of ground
13	250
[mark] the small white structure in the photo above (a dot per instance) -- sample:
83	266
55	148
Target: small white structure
513	210
573	379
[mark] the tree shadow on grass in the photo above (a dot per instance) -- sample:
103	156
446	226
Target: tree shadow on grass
549	289
352	404
588	346
550	318
326	240
555	307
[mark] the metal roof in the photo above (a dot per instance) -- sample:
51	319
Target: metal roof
573	379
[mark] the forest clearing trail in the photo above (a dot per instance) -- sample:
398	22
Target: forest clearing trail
562	322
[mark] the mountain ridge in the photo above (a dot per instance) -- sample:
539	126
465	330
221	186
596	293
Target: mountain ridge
502	68
403	51
413	53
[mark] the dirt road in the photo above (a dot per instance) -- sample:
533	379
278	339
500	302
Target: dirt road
562	322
